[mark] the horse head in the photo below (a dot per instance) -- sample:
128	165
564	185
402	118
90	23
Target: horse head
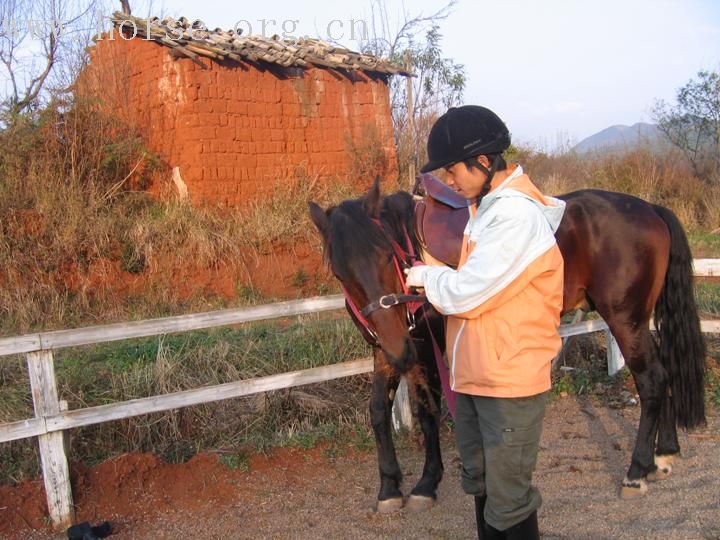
367	242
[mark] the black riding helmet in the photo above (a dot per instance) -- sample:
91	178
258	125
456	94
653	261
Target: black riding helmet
465	132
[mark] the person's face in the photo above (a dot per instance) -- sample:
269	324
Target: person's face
467	182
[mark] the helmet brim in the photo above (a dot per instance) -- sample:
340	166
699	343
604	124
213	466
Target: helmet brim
497	146
434	165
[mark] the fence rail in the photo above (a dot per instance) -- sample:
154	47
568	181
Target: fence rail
168	325
52	417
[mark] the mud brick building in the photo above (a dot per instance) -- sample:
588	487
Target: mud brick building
235	115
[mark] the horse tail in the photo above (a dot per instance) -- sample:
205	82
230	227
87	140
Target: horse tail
681	343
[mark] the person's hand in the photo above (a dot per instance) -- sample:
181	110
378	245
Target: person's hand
414	277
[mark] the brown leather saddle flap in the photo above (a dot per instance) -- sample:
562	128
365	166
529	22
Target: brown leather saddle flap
440	219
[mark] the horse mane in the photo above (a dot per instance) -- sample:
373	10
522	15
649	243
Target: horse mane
398	217
353	233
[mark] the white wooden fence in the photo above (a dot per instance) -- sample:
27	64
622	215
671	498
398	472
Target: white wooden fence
52	417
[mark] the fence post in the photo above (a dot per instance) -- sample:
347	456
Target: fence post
615	358
402	411
579	315
56	473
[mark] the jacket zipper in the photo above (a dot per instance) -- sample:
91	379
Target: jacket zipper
455	345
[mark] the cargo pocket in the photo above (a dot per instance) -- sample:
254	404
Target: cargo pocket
521	445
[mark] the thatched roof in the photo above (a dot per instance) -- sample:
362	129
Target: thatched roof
194	40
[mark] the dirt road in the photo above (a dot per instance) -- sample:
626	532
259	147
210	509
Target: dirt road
330	492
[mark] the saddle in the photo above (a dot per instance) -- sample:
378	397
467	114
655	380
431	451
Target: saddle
440	218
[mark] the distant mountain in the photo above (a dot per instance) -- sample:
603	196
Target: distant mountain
619	139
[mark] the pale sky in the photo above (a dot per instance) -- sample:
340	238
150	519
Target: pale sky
555	70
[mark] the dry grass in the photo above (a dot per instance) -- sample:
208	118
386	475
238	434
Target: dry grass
662	179
283	216
71	204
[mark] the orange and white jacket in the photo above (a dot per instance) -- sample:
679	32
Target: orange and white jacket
504	300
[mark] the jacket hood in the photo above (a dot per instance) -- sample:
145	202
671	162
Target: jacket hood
518	184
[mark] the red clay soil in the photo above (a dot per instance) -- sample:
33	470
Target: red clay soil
276	272
143	485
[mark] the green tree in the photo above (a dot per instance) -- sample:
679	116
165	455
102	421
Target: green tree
693	123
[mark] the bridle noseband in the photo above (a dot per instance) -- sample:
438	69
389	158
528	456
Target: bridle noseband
389	300
402	258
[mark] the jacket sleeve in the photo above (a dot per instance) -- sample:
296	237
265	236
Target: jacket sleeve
501	250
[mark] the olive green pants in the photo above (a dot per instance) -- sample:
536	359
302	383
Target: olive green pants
498	441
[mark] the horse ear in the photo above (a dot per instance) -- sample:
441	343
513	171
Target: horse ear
371	201
319	218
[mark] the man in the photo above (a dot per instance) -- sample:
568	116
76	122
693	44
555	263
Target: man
503	305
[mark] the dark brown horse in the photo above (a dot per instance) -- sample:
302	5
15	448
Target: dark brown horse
624	258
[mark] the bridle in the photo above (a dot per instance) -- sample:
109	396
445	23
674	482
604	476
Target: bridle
402	258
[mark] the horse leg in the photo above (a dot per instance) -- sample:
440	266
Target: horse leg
384	385
639	349
668	446
427	393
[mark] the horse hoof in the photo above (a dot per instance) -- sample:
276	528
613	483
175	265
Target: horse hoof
632	489
664	468
419	503
389	505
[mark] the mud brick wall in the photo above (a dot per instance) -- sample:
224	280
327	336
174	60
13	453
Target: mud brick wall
236	132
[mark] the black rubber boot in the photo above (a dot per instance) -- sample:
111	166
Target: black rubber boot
485	531
480	516
491	533
525	530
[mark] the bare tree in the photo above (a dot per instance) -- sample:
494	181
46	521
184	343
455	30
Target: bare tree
693	123
39	40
